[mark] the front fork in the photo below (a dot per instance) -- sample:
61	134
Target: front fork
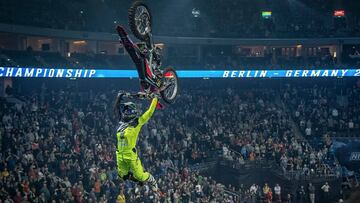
150	47
150	59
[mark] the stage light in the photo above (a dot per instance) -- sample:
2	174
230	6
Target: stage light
266	14
339	13
196	12
81	42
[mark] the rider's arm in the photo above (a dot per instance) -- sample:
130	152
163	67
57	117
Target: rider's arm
116	108
147	115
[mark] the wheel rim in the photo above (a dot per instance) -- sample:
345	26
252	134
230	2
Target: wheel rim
172	86
142	20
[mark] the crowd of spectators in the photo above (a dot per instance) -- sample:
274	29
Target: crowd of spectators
210	61
252	126
320	110
60	145
30	58
215	19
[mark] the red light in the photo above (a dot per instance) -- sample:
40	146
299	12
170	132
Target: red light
168	75
339	13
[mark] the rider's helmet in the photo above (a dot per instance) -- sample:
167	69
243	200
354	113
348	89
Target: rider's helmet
129	111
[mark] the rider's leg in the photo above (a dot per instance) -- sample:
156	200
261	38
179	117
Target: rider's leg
151	180
123	167
130	176
143	176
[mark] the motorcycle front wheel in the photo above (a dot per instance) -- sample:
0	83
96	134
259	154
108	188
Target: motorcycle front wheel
140	20
170	84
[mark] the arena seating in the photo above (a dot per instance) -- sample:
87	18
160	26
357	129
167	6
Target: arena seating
54	136
217	19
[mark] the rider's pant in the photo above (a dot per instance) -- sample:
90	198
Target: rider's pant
124	166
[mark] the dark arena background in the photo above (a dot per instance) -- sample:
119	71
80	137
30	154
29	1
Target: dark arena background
268	105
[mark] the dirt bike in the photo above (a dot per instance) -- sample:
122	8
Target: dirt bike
147	56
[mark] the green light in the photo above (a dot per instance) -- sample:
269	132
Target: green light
266	14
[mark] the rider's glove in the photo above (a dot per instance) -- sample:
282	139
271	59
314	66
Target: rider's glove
152	95
142	95
123	94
